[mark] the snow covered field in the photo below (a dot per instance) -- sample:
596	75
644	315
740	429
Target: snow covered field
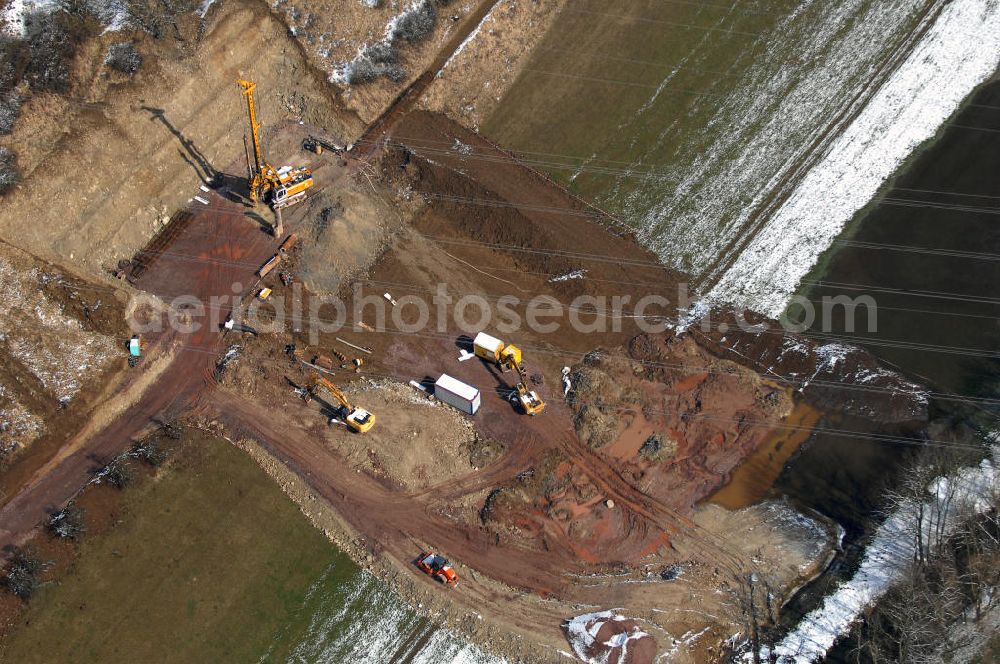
746	188
801	76
960	50
364	622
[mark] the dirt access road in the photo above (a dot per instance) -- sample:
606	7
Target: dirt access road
213	259
220	250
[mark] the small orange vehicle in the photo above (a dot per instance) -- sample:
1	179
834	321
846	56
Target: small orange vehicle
437	567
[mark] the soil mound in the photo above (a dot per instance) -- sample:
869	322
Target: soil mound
608	638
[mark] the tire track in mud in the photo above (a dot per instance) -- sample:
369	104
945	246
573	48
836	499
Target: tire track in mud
385	517
644	505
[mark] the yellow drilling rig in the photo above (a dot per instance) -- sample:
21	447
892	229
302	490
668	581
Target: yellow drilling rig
279	187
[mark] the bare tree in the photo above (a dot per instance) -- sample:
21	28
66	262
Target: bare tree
977	551
8	169
951	575
150	451
67	522
925	501
118	473
123	57
23	576
754	609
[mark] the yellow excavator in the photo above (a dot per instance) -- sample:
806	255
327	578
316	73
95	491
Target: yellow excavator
508	357
357	419
279	187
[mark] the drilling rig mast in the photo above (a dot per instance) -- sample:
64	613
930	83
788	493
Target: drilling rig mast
279	187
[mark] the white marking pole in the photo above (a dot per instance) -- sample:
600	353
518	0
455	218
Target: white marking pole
348	343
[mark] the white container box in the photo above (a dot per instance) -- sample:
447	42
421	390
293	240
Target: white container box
456	393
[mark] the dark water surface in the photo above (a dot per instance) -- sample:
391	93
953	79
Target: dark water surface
928	251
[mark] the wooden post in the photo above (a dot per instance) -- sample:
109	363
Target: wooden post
278	224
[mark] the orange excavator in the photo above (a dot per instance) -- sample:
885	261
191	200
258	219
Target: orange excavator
357	419
279	187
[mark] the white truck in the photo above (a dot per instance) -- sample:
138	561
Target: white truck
458	394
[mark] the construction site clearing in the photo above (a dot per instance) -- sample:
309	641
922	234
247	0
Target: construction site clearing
559	473
592	500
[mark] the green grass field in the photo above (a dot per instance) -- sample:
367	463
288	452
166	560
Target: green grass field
211	562
591	89
684	117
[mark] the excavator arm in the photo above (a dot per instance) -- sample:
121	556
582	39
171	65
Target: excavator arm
319	381
358	419
529	399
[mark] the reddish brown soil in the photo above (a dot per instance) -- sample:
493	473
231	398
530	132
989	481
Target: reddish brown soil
215	257
554	513
547	508
666	416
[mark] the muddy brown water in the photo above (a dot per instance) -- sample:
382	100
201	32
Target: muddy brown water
754	478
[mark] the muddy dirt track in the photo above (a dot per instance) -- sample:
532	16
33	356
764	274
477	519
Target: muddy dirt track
213	258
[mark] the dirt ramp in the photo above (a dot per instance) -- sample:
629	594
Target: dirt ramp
491	197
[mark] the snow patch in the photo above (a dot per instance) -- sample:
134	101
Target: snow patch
960	50
582	632
18	10
830	355
461	147
569	276
890	549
